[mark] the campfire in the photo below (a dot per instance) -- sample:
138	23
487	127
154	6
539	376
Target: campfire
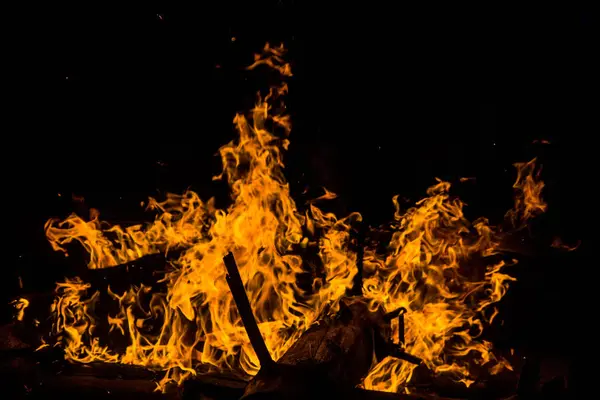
270	297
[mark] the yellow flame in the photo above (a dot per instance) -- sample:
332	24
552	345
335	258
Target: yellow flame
528	193
20	305
42	346
262	227
438	265
429	270
182	221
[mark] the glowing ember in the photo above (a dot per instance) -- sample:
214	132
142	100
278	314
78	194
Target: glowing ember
428	268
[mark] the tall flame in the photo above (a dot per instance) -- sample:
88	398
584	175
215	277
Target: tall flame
428	267
429	270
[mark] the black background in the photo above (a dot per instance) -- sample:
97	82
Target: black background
116	105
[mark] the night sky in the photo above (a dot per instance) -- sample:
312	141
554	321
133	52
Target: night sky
115	106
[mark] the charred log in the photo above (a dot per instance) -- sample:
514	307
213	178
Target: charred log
234	280
320	358
331	357
146	270
319	361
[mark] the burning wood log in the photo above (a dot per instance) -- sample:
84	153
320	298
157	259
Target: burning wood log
145	271
34	376
234	281
330	357
44	375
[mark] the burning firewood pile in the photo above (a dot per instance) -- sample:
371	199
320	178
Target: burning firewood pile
267	299
332	357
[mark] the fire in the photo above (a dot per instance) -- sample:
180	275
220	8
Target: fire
428	270
445	270
182	221
528	193
20	305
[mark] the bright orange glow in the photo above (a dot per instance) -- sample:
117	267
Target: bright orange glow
528	193
20	305
445	270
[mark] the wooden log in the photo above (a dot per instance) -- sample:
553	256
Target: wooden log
329	359
146	270
214	386
27	378
36	323
319	361
240	297
361	394
31	376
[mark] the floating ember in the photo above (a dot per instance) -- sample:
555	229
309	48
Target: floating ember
299	265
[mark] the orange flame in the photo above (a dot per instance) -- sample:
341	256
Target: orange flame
429	270
20	305
528	193
432	268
